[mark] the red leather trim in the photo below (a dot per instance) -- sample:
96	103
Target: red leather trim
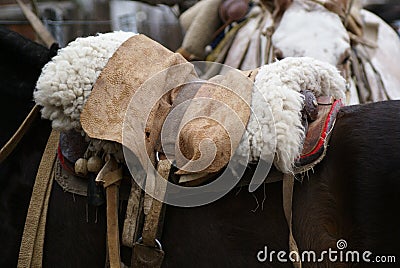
63	161
335	107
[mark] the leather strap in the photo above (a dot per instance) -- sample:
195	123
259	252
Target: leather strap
268	47
111	175
288	183
148	253
132	216
9	147
151	222
112	226
31	249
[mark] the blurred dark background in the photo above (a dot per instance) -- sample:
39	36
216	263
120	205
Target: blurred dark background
70	19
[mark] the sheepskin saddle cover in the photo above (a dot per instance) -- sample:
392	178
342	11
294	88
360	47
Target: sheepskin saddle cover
95	83
135	92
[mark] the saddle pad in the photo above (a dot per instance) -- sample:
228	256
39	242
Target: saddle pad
69	182
317	137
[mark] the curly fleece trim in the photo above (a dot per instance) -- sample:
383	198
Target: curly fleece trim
274	130
66	81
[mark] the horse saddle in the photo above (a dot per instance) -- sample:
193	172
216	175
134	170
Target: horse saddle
131	76
321	115
72	146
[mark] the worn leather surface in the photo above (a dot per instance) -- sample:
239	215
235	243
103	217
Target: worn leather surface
132	216
116	95
315	130
31	248
210	138
112	226
146	257
318	132
69	182
131	65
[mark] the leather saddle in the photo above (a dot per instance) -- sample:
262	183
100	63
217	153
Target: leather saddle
319	116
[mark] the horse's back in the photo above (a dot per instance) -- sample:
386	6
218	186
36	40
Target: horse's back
364	157
371	132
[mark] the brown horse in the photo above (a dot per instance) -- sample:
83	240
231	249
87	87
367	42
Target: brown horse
352	194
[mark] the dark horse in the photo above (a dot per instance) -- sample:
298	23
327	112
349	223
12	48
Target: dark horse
353	194
21	64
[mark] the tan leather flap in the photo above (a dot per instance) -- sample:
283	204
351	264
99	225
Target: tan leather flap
135	61
214	123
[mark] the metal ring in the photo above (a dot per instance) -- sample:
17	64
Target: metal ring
158	243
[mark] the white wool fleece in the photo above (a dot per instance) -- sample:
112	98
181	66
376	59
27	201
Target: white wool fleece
277	86
67	80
